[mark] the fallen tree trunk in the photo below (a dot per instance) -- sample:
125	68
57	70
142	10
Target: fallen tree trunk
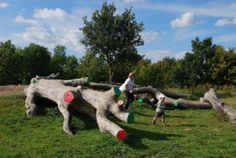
178	103
92	102
173	99
219	106
106	86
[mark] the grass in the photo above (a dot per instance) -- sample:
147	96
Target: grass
189	133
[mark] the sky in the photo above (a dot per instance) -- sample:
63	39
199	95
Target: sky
169	25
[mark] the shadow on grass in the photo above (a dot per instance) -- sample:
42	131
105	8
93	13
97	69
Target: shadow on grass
44	104
90	123
135	137
142	114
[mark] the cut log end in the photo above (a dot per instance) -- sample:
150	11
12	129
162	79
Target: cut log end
34	80
120	104
117	91
68	97
130	118
121	135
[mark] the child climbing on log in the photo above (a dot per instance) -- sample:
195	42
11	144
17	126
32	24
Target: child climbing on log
160	110
127	88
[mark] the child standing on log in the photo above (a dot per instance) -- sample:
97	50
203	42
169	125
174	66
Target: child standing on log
160	110
127	88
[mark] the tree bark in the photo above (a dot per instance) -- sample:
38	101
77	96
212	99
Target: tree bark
172	99
87	97
219	106
178	103
72	94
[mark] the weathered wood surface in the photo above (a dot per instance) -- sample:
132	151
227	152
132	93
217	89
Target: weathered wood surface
88	98
72	94
219	106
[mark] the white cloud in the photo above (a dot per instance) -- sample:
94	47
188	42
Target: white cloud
150	36
46	13
21	19
4	5
156	55
53	27
225	21
72	39
37	34
185	20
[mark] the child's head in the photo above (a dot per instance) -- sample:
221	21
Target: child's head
131	75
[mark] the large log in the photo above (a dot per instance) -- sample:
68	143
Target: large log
178	103
219	106
172	99
71	94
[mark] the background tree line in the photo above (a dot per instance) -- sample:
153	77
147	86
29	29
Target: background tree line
19	65
111	40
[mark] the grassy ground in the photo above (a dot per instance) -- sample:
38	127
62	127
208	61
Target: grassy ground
189	133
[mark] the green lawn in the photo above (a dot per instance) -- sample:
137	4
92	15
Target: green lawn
189	133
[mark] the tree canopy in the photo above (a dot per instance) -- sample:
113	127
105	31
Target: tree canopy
113	37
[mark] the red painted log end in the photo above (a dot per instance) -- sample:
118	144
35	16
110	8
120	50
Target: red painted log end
68	97
121	135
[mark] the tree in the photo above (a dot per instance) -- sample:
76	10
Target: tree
67	66
92	67
164	72
35	60
58	60
224	67
71	67
113	37
204	51
159	74
183	74
196	67
142	72
9	63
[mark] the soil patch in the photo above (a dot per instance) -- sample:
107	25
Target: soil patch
12	89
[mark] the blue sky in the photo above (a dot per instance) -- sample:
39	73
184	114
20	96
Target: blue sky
170	25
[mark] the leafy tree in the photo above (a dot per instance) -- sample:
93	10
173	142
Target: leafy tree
196	67
58	60
113	37
9	63
142	72
224	67
71	67
204	52
164	74
67	66
92	67
35	60
183	74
